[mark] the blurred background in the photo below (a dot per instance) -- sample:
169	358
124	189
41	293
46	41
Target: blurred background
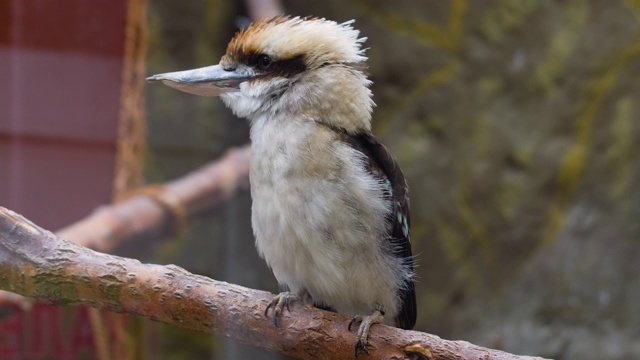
515	122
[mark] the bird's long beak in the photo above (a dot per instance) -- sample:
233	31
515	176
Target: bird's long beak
207	81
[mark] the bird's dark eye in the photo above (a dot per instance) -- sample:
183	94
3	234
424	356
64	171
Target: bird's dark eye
264	62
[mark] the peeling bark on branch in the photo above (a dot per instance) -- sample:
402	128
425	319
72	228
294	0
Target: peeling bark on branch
38	264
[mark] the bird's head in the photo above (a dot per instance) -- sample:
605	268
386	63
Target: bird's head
314	68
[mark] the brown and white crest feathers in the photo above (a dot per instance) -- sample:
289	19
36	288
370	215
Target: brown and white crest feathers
321	41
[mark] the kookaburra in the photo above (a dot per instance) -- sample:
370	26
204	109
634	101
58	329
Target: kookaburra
330	206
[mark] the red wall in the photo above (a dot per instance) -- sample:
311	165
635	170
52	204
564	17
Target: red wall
60	72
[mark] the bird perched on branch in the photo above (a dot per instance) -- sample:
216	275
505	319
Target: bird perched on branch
330	205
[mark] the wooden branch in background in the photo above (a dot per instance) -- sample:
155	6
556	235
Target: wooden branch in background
38	264
264	8
156	210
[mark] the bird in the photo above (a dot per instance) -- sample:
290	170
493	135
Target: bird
330	205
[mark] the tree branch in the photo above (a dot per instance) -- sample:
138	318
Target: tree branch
38	264
156	210
152	210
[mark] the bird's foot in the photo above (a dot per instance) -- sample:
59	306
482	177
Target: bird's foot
279	303
363	331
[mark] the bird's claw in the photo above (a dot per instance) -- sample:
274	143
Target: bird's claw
360	345
353	320
278	303
363	331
